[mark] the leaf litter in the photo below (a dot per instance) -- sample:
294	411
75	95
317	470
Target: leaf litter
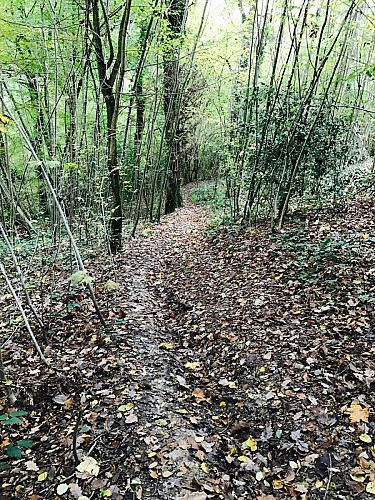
237	364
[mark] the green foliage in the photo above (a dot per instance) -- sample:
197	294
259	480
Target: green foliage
203	193
235	120
311	257
11	417
111	286
15	450
212	193
316	138
80	277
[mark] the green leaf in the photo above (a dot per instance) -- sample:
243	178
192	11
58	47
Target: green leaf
161	422
11	417
13	451
70	166
126	407
4	466
111	286
10	420
18	413
80	277
23	443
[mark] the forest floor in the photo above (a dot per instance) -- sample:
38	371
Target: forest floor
236	364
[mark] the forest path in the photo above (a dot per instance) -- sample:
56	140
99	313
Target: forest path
166	431
251	351
236	365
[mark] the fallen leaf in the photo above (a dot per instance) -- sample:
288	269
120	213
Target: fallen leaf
301	488
198	394
161	422
181	381
30	465
89	467
166	345
370	487
357	413
358	478
68	403
75	490
62	488
354	486
126	407
111	286
60	399
322	465
277	484
194	365
204	468
249	443
259	476
131	419
6	442
365	438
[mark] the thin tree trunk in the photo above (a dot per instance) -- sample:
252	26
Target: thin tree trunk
110	87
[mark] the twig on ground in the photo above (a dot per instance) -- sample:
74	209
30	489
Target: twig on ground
329	477
75	436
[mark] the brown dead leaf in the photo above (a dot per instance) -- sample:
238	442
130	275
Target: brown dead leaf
199	395
357	413
239	426
355	486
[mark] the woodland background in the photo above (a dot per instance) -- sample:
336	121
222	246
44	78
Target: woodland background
108	108
186	252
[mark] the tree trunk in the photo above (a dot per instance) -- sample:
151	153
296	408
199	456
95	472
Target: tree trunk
111	86
176	17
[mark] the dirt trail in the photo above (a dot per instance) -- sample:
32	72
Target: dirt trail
171	434
233	367
280	330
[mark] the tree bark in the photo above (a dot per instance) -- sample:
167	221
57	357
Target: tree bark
110	86
176	17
